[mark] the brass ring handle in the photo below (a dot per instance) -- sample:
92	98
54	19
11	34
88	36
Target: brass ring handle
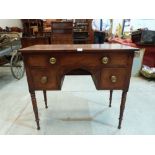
43	79
113	79
105	60
53	60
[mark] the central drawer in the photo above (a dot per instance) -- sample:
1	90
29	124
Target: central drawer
83	59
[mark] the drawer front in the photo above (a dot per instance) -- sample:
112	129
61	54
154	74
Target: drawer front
91	59
37	60
77	59
113	78
44	79
113	59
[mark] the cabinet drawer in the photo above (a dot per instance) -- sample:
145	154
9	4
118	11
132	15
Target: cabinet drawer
113	59
44	79
91	59
113	78
80	59
37	60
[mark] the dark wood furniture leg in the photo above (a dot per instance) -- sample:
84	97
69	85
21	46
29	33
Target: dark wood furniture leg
45	98
35	108
122	106
110	98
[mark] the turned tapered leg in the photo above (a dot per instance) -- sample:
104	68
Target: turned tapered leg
45	98
110	98
122	106
35	108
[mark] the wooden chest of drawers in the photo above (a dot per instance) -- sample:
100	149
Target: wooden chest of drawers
29	41
109	65
62	32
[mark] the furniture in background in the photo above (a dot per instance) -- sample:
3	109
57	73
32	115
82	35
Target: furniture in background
149	55
1	29
32	27
29	41
81	31
62	32
47	24
109	65
33	33
143	37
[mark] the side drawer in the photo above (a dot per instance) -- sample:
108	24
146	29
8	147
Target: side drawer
113	78
45	79
114	59
39	60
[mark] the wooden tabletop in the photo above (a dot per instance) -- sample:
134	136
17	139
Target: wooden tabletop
78	47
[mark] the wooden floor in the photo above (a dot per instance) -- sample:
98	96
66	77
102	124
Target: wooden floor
78	109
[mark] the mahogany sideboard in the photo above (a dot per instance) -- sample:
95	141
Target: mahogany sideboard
109	65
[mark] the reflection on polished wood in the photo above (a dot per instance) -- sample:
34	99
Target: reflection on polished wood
46	66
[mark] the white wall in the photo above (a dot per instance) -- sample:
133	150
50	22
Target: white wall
141	23
10	23
135	24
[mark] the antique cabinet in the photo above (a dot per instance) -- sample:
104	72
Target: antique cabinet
62	32
32	27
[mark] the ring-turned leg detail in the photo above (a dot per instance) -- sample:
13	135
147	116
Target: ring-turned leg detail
35	108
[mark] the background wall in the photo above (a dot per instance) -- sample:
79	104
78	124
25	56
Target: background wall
141	23
10	23
135	23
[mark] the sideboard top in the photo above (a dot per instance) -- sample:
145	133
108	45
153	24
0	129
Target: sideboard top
77	47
